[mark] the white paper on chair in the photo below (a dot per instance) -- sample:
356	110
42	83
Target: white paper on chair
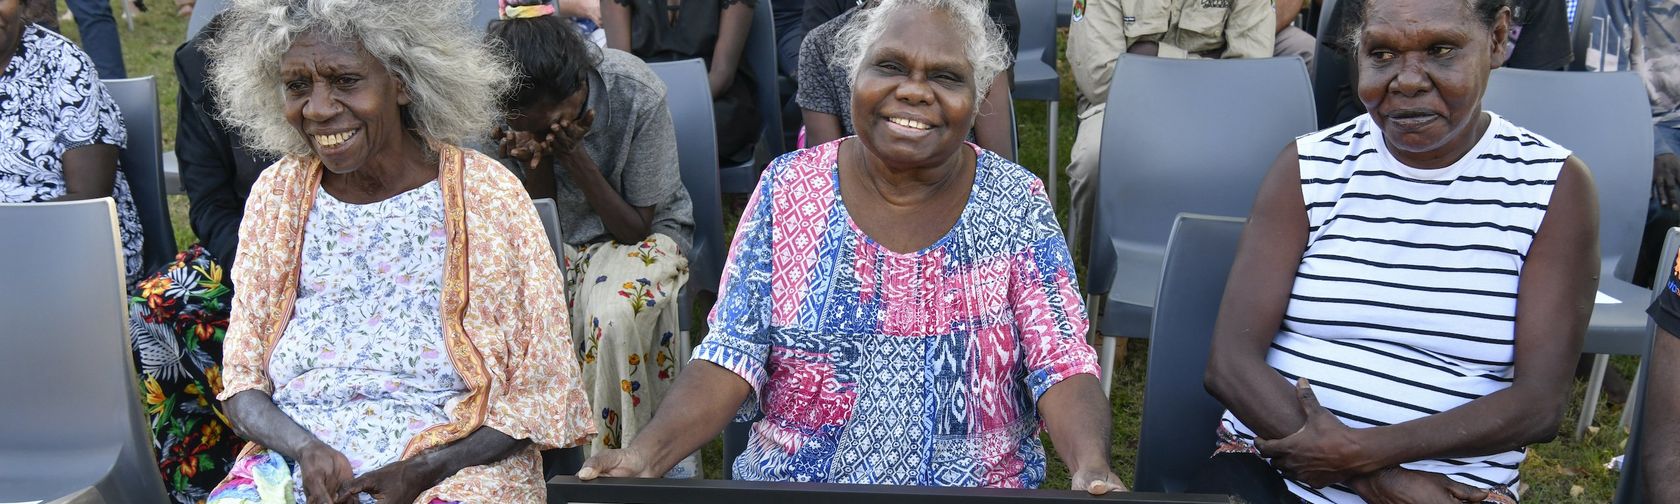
1603	298
24	502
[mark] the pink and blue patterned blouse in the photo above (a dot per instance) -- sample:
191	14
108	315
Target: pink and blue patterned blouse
872	366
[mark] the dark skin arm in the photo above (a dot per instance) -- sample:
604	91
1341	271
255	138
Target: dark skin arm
733	27
564	143
1660	450
90	171
1554	303
1286	12
615	18
699	405
820	128
253	416
992	129
404	480
1080	429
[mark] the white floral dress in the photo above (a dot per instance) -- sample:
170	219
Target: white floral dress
363	364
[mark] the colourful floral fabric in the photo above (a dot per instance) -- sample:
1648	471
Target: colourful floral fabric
623	303
176	323
506	329
266	478
873	366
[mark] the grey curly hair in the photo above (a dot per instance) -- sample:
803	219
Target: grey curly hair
453	78
988	54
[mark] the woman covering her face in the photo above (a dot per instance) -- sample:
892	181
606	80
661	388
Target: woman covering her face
898	307
399	331
1411	292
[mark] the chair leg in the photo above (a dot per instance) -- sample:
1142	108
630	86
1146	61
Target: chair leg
1107	360
1633	398
684	347
1051	130
1595	386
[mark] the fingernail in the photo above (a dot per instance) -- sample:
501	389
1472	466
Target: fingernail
586	473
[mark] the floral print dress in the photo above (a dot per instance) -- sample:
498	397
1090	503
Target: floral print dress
362	365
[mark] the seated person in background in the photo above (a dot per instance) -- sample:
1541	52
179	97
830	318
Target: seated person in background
916	331
400	329
1412	288
589	128
1539	40
1652	38
60	131
1002	12
1102	29
825	95
1291	39
1660	446
712	30
180	314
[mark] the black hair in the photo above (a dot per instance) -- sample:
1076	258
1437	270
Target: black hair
1486	11
551	60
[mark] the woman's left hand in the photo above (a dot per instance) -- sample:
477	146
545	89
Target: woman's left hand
399	483
1097	481
1324	452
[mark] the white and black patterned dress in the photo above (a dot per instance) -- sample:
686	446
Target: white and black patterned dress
51	101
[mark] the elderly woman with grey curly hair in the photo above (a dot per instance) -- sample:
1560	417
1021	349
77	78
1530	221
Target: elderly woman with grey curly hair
899	307
399	333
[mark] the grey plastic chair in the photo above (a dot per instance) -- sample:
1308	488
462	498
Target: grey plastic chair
1179	417
1605	118
1159	159
142	163
203	12
691	113
1064	13
73	423
1330	70
1035	71
549	214
1631	488
760	57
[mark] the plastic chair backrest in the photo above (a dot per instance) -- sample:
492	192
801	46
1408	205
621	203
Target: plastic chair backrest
1179	417
691	114
1178	136
142	163
1606	119
203	12
549	214
65	350
1037	48
761	60
1631	488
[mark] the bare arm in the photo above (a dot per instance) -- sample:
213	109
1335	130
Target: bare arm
733	27
992	129
253	416
1251	311
405	480
615	18
701	403
90	171
1287	10
1077	416
820	128
1660	450
627	224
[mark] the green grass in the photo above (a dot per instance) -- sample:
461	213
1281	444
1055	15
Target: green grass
1551	471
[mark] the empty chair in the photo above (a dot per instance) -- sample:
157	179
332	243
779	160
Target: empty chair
76	428
760	57
1177	432
142	162
1631	488
1035	71
1157	161
1605	119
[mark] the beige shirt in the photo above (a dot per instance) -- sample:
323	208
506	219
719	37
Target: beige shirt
1102	29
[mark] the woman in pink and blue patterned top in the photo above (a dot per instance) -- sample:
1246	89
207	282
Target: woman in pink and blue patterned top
900	306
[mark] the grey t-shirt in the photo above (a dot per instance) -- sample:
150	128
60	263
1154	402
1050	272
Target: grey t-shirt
824	85
635	146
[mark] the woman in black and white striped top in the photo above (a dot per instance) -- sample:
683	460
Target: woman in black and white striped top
1409	299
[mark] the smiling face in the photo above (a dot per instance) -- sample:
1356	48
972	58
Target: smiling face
343	101
1423	65
913	100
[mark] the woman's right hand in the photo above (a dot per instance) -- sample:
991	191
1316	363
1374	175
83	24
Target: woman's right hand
625	463
1404	486
325	471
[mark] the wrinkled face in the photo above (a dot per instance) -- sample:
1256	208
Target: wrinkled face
1423	65
913	101
536	118
343	101
11	25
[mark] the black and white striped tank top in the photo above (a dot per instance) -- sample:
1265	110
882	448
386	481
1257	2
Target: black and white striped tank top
1405	301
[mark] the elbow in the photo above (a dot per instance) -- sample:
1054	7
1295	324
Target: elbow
1217	379
1541	420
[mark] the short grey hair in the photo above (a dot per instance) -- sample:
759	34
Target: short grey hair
987	53
453	78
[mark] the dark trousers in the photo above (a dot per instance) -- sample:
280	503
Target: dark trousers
1244	476
98	30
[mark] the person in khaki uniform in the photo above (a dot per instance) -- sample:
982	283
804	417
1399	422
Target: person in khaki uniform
1102	29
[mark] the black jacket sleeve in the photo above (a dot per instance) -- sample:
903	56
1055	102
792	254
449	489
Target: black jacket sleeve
1542	37
206	159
